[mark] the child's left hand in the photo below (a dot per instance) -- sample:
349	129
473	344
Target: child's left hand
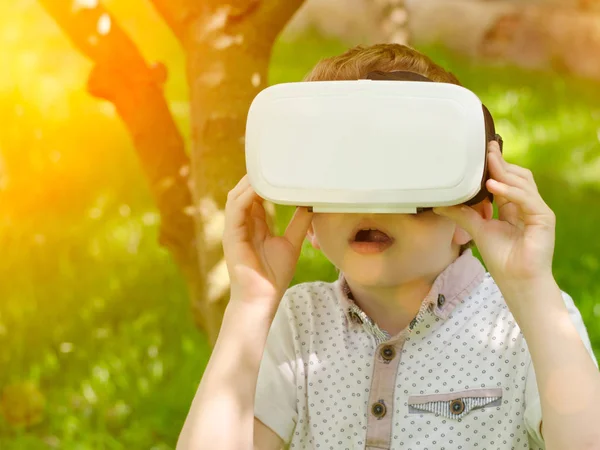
517	248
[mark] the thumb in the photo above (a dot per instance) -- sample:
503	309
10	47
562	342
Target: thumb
464	216
298	226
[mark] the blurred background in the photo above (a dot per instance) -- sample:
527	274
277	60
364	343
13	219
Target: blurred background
98	346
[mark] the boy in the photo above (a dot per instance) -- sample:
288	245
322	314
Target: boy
414	346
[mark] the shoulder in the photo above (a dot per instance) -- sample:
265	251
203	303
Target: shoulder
311	306
311	295
484	309
487	298
488	289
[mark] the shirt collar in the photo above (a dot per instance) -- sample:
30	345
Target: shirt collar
449	288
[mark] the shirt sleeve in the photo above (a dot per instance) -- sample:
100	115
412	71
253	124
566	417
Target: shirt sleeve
533	408
275	401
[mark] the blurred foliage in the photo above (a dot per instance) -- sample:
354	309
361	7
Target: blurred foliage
97	346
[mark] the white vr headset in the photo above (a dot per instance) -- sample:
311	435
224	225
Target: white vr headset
394	142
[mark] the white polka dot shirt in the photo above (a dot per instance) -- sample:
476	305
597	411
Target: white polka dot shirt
459	377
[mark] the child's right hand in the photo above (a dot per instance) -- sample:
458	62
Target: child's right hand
260	265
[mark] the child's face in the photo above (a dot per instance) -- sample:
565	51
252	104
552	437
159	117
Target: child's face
422	244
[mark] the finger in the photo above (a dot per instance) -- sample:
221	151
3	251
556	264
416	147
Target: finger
266	217
258	210
530	203
258	216
298	226
464	216
510	213
515	169
260	231
500	200
240	187
238	209
499	172
522	172
493	146
270	212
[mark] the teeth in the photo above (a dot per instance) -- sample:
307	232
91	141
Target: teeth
365	235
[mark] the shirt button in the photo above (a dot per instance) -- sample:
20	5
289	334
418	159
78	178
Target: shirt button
441	300
388	352
457	406
378	409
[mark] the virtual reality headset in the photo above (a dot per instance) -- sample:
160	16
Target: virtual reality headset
393	142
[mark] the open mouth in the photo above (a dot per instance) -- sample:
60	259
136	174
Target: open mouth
371	235
368	238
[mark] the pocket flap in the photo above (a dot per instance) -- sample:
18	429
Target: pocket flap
454	405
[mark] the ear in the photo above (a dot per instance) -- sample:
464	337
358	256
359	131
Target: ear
312	237
485	209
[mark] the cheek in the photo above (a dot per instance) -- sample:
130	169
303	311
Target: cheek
329	233
327	225
433	229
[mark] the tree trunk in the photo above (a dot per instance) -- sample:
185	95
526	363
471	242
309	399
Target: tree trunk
228	48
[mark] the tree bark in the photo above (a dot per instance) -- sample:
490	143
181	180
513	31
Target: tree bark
228	48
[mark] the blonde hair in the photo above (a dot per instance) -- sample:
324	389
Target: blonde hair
358	61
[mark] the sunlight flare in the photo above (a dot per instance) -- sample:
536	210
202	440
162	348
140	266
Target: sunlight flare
84	4
104	24
214	221
218	281
256	79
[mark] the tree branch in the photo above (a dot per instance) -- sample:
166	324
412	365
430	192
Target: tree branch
275	14
228	45
122	76
177	14
268	16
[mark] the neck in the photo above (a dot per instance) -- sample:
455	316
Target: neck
392	307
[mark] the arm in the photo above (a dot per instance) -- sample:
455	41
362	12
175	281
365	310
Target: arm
265	438
518	249
568	380
260	267
222	412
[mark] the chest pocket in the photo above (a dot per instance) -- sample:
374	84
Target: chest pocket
454	405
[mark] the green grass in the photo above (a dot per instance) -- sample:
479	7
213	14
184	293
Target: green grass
95	313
